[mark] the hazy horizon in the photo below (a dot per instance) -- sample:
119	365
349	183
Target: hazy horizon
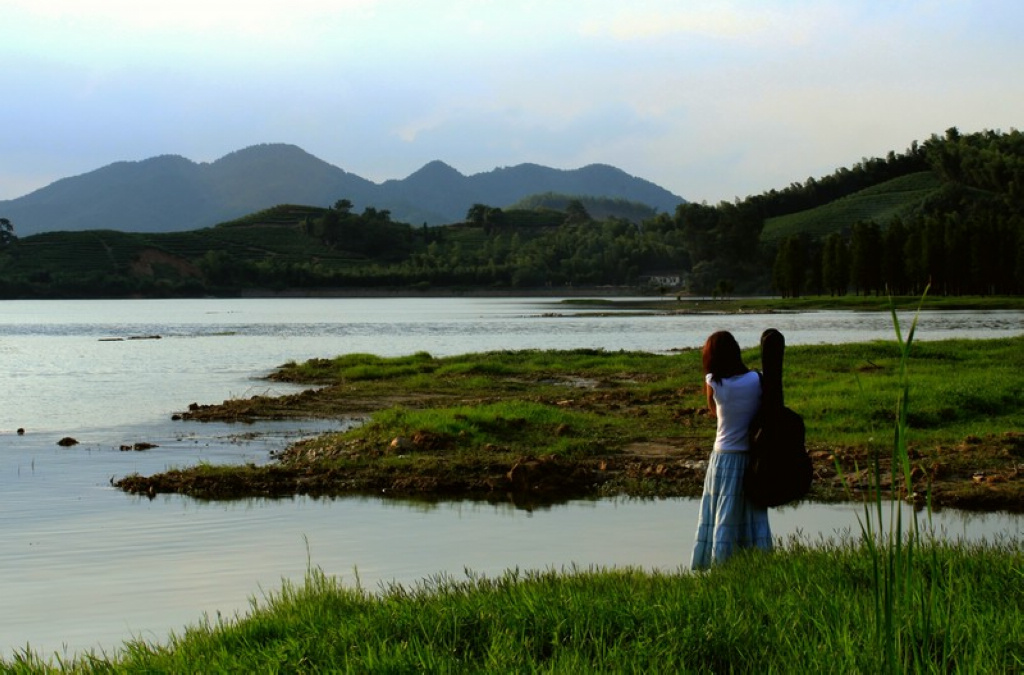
710	100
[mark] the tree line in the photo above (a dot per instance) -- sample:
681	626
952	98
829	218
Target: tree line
6	232
967	238
516	248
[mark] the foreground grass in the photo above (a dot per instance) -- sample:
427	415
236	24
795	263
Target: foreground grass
801	609
565	424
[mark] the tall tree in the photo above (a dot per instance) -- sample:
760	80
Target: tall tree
330	226
576	213
790	270
698	224
835	265
913	258
865	261
6	232
933	248
477	214
894	273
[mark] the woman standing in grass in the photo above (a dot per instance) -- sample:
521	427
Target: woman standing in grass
727	520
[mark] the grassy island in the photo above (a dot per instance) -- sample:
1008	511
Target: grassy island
554	425
667	303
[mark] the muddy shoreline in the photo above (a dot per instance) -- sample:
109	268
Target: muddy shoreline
546	427
434	467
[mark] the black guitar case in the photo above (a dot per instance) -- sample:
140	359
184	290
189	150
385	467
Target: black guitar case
780	470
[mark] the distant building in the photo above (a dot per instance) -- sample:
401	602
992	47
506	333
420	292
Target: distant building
666	279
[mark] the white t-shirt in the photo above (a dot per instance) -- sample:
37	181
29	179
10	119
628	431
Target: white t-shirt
738	399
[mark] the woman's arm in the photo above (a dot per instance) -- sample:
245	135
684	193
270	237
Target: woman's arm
712	408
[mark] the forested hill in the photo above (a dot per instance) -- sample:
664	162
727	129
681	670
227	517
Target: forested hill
171	193
599	208
947	214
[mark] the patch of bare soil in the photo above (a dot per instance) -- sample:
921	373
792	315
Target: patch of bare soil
984	474
649	469
979	474
308	404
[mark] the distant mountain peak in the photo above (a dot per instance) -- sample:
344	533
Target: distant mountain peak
171	193
597	166
265	152
434	170
156	160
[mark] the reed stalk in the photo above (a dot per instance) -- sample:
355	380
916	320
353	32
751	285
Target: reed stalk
909	624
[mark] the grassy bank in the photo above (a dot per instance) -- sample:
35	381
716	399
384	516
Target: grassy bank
757	305
801	609
540	425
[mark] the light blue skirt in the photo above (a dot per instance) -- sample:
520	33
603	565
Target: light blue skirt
727	521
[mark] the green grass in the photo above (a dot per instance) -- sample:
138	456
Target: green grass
450	373
845	392
632	423
961	388
803	608
879	203
517	427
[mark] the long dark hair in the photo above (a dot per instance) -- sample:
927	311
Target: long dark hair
722	357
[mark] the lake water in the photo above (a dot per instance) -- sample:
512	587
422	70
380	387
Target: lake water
83	565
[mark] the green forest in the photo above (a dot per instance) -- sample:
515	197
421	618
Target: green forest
946	213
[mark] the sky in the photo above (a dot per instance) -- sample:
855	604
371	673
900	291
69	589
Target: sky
712	100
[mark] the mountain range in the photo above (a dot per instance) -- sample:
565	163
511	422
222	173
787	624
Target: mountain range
170	193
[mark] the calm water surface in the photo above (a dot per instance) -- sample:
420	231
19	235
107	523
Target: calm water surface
83	565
